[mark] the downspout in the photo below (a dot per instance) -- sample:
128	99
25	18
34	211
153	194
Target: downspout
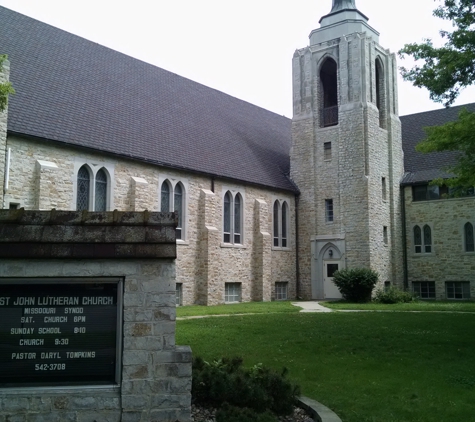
297	265
7	175
404	238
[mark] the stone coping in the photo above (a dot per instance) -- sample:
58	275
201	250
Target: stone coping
318	411
88	218
87	235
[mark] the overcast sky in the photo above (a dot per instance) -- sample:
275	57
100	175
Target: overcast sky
243	48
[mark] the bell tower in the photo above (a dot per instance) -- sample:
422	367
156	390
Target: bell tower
346	153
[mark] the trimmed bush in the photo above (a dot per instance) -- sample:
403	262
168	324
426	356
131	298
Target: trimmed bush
259	388
228	413
393	295
356	284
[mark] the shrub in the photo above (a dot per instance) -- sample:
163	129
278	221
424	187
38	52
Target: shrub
356	284
393	295
259	388
228	413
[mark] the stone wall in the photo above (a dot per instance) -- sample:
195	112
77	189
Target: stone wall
43	176
448	261
365	148
138	248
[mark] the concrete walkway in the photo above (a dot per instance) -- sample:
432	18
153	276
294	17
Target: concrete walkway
312	306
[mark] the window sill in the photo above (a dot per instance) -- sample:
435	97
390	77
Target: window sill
182	242
232	245
277	248
422	254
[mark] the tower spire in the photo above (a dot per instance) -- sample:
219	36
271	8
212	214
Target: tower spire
343	5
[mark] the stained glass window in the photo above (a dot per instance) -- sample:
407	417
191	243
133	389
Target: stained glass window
100	194
469	239
417	239
427	239
284	224
237	219
84	185
276	223
178	207
165	197
227	218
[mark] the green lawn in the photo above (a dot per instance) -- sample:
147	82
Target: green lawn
378	367
421	305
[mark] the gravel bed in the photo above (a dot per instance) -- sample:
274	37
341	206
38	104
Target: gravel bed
202	414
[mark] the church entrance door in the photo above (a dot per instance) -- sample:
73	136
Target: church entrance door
329	288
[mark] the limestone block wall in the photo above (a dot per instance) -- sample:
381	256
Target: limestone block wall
366	151
448	261
44	176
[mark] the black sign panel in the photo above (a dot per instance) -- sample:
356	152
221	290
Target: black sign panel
58	333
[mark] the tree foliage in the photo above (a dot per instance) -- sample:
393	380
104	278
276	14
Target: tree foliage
455	136
5	87
445	71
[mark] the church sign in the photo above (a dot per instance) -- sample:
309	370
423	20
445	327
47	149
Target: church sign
59	331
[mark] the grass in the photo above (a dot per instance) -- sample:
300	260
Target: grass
367	367
421	306
238	308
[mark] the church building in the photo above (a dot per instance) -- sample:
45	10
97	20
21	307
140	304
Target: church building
267	207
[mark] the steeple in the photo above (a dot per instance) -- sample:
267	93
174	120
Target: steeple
343	4
343	19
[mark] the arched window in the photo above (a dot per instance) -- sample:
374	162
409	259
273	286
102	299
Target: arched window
172	198
280	223
329	93
417	239
92	189
232	218
380	93
469	238
422	239
178	207
100	197
165	197
427	239
83	189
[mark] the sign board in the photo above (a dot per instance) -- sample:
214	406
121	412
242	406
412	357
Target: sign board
59	331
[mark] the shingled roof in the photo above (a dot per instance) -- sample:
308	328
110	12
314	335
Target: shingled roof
74	91
77	92
420	167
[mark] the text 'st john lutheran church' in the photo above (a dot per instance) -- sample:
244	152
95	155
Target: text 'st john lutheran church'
268	208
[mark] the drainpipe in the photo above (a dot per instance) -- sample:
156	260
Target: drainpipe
404	238
297	265
7	174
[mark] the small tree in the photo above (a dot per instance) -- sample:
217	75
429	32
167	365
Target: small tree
5	87
356	284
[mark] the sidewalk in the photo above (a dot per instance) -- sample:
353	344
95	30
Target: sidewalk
311	307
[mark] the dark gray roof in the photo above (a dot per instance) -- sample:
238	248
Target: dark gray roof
425	167
72	90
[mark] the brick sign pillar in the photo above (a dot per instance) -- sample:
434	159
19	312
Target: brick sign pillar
87	318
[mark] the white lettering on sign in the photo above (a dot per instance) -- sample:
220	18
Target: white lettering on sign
31	342
22	331
50	355
80	355
4	301
53	330
23	355
22	301
97	300
73	310
55	319
36	311
58	301
26	319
